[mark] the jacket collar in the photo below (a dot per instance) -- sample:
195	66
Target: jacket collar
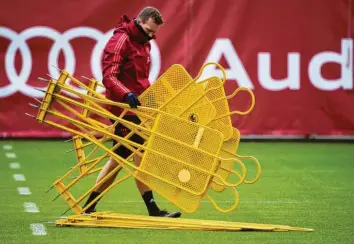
133	29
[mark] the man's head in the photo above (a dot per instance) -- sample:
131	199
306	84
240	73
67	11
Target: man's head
150	19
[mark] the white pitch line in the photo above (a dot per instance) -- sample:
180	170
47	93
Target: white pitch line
25	191
19	177
10	155
15	165
38	229
30	207
7	147
49	222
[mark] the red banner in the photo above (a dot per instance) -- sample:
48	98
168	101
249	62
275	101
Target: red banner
296	56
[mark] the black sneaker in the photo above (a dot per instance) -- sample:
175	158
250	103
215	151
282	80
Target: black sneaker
164	213
89	211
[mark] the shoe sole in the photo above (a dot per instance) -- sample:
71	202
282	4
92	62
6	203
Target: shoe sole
173	215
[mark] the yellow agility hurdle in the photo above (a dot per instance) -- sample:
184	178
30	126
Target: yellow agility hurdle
110	219
178	73
228	171
173	89
192	133
177	93
195	152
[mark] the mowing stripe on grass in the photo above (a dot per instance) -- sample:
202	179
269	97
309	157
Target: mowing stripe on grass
7	147
30	207
38	229
25	191
19	177
15	165
228	201
10	155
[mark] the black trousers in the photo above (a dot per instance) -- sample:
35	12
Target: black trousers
122	131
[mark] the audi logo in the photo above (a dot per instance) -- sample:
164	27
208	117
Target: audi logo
18	43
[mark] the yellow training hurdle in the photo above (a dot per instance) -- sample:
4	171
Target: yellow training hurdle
190	149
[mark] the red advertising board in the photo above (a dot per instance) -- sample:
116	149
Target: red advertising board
296	56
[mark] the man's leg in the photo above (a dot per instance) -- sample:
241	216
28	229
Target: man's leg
119	130
109	166
148	197
123	152
146	192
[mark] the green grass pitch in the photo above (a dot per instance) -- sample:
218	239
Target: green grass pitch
302	184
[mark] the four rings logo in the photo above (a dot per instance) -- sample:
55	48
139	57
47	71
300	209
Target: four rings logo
18	42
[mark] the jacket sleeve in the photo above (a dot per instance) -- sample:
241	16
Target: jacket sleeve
112	59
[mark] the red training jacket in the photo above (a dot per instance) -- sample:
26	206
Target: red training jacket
126	62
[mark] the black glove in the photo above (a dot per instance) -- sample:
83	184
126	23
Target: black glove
132	100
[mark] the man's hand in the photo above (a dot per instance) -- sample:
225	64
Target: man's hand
132	100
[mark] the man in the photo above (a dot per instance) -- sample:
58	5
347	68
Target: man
126	64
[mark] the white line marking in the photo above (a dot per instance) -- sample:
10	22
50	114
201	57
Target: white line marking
38	229
7	147
30	207
11	155
15	165
24	191
19	177
49	222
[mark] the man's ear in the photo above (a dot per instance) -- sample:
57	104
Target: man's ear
139	21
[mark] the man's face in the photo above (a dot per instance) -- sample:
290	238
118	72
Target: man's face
150	27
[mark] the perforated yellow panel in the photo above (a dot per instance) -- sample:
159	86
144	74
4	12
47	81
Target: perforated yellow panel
163	89
175	92
228	150
215	93
183	162
186	201
191	104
